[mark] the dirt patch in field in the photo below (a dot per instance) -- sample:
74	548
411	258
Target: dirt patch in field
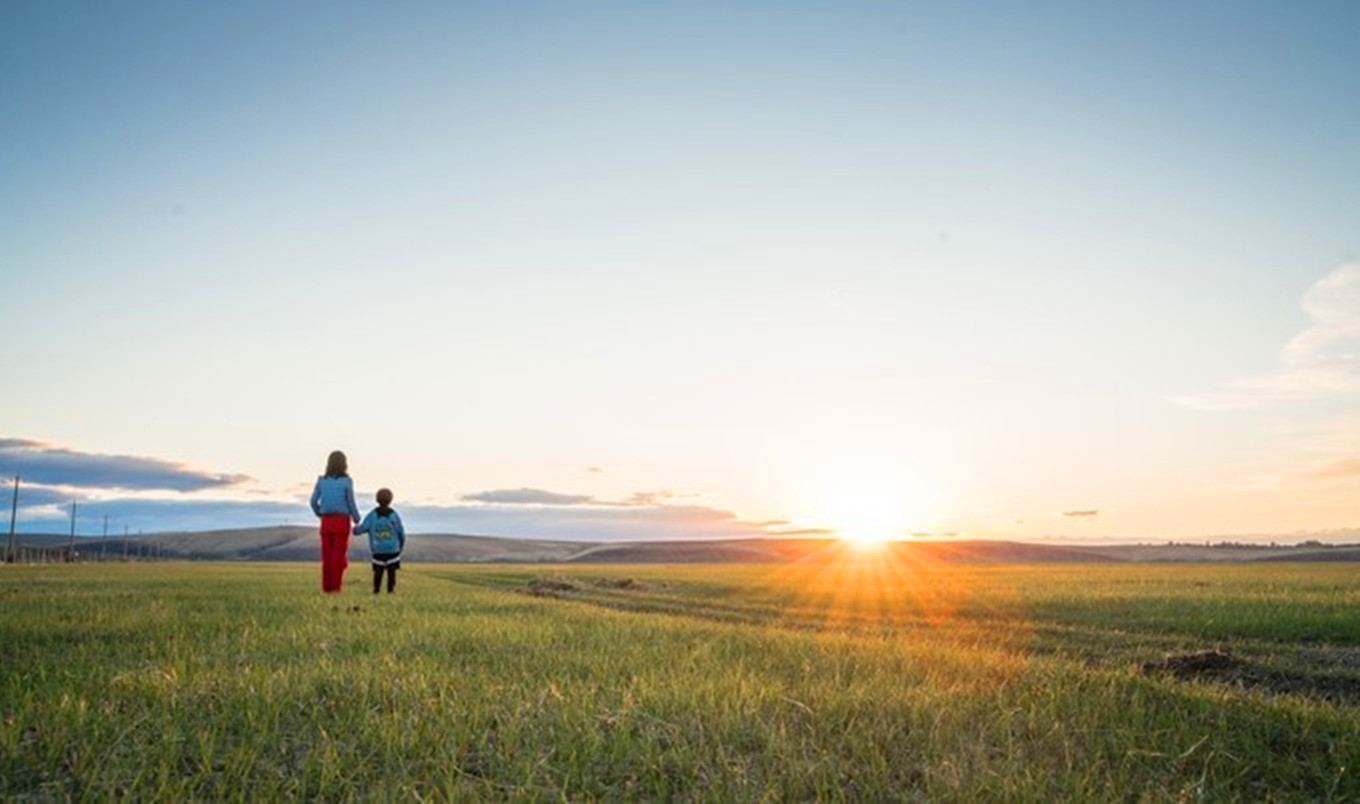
549	587
626	584
1334	688
1224	668
557	586
1193	665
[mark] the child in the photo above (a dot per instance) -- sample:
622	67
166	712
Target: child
386	538
333	503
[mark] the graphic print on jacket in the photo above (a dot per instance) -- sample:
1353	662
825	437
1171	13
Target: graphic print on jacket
384	536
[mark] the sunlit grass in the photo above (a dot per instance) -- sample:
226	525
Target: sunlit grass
857	675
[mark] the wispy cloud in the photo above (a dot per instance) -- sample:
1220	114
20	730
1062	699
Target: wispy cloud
527	496
1083	512
31	496
1337	437
1336	470
539	513
1321	361
47	464
583	523
532	496
658	497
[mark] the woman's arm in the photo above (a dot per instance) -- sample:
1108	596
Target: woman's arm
366	525
316	497
349	500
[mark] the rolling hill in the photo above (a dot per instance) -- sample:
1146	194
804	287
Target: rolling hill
297	543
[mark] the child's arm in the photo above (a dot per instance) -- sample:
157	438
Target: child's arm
349	500
316	497
366	525
401	531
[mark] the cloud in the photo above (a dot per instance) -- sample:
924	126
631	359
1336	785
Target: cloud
1336	437
1333	302
594	469
1336	470
34	496
798	532
1083	512
527	496
594	523
542	514
1323	360
51	465
650	497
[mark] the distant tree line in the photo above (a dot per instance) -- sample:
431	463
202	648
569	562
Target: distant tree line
1250	545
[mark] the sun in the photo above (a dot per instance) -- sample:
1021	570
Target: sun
869	506
868	518
869	524
866	540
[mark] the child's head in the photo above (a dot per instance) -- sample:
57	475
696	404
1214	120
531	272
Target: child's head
385	497
336	465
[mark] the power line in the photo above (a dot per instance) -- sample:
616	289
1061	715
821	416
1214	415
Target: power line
13	512
71	546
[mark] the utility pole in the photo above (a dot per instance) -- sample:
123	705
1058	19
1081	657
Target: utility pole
71	547
13	512
125	542
104	543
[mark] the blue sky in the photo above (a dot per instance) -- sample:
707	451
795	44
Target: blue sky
916	266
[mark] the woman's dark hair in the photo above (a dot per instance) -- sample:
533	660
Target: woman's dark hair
336	465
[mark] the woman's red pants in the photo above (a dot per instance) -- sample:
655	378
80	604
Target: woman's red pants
334	551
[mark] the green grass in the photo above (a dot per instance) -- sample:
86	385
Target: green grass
848	680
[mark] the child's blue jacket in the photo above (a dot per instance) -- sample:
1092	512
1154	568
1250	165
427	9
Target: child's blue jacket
386	534
334	495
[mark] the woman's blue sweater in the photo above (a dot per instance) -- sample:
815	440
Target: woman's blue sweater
334	495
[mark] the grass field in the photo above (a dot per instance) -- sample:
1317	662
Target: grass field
850	679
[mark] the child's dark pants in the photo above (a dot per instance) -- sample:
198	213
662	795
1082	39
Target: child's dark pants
377	577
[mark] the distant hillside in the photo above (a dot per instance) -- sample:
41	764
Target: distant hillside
297	543
235	545
728	551
1228	553
785	550
302	544
982	551
48	547
1345	552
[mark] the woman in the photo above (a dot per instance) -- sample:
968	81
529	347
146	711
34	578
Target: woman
333	502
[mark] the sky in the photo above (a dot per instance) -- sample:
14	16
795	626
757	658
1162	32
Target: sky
655	270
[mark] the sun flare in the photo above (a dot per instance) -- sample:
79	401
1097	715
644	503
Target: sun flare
868	507
870	524
865	540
